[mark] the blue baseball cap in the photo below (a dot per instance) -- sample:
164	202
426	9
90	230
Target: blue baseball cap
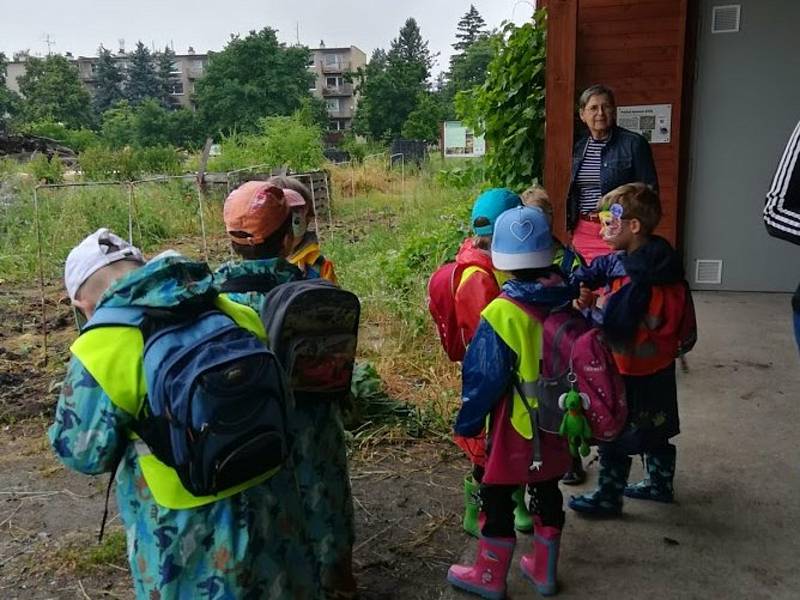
490	205
522	240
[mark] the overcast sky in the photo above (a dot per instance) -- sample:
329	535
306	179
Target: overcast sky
80	26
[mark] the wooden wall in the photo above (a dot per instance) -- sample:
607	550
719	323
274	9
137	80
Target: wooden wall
637	48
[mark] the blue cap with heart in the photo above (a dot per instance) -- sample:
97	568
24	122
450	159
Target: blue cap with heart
522	240
490	205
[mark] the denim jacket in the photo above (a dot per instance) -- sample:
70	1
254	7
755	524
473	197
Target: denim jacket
626	158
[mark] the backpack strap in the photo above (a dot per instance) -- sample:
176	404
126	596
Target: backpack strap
536	461
567	260
261	283
130	316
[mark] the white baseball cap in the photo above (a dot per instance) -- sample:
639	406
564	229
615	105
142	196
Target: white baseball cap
96	251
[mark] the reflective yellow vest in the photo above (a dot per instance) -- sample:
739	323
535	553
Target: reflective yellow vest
113	356
523	334
500	276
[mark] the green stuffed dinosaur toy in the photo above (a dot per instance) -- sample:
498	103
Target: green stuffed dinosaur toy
575	425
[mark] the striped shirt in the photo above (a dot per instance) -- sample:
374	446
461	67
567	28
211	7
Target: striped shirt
782	209
588	176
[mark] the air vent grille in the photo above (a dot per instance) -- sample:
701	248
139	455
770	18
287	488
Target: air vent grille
708	272
725	19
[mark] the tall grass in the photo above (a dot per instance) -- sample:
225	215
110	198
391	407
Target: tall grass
162	214
385	247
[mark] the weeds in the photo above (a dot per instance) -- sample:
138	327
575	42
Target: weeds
162	213
81	560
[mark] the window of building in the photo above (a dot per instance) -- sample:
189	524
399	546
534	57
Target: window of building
198	66
332	82
176	68
332	104
338	124
176	88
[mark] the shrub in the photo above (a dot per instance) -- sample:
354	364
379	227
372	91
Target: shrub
359	149
99	163
464	176
47	171
283	141
159	160
76	139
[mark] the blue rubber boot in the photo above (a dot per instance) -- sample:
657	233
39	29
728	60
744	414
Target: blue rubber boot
660	472
606	500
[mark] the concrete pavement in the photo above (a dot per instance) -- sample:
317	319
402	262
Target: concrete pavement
734	531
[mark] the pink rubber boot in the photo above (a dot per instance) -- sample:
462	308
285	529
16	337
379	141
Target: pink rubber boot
487	577
540	566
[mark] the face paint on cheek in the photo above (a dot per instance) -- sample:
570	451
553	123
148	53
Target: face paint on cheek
611	220
299	225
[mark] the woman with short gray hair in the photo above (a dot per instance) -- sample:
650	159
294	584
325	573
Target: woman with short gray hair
606	157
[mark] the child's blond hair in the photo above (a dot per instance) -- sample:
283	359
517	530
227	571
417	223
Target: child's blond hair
639	201
537	197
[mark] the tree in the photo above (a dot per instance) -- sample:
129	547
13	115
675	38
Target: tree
471	67
151	124
509	106
469	29
108	86
253	77
53	91
166	64
143	81
410	51
117	129
423	121
391	83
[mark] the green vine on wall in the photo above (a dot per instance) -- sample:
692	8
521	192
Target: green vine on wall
509	107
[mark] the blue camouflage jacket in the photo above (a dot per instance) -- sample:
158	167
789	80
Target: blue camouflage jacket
253	545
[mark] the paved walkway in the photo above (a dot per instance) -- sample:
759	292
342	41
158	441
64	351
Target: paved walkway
734	531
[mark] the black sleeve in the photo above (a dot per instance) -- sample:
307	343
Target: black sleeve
782	208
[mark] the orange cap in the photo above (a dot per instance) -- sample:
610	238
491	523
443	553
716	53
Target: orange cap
254	211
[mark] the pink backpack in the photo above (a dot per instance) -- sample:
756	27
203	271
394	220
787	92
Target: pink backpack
442	306
573	353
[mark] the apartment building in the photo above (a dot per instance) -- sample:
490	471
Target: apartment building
186	70
330	66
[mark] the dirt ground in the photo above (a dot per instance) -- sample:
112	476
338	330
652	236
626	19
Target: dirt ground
407	492
731	534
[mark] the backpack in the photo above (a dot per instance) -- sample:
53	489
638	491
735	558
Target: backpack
217	400
442	305
312	326
238	279
575	354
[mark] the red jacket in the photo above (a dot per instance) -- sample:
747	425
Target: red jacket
477	288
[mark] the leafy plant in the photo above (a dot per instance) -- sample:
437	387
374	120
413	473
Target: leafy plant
46	170
509	106
291	141
469	175
99	163
77	139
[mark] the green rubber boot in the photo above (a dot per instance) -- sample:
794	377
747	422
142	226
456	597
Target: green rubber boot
522	518
471	506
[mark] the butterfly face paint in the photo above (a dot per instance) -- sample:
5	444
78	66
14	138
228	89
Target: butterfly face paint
299	225
611	220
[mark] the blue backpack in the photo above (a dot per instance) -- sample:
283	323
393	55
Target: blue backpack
217	399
